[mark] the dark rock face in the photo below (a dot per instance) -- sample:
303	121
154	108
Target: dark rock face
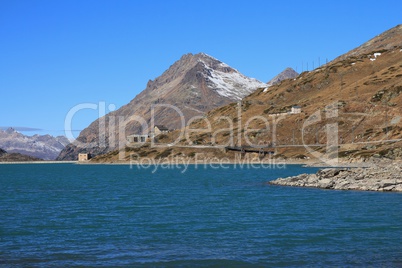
362	179
194	85
39	146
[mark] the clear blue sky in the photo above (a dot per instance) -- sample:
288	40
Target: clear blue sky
57	54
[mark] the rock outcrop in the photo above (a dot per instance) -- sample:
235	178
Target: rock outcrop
360	179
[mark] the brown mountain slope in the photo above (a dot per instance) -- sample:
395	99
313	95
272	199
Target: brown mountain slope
193	85
388	40
354	102
367	98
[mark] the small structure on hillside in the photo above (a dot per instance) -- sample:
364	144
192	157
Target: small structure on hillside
160	129
295	110
143	138
83	157
137	138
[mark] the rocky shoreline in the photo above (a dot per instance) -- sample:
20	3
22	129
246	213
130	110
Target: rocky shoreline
387	179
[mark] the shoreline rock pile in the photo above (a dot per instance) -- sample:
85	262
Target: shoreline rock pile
360	179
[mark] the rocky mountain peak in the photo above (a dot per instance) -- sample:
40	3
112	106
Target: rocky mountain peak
285	74
213	62
194	73
195	84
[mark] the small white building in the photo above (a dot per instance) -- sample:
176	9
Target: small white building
295	110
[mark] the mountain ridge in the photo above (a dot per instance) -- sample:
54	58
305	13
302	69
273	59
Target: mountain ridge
39	146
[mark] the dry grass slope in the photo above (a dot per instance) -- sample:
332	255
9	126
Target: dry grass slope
365	88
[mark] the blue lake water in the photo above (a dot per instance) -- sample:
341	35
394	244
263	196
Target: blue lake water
104	215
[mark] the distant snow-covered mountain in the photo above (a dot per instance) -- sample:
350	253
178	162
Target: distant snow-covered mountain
40	146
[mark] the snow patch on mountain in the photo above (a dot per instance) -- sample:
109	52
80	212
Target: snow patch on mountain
230	84
233	85
375	56
41	146
222	64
